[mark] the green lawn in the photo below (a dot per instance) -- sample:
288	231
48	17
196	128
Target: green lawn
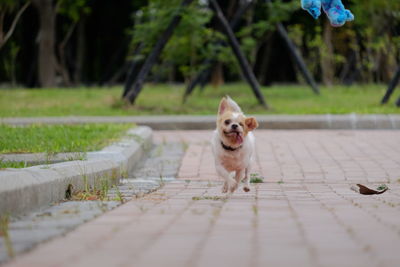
59	138
167	99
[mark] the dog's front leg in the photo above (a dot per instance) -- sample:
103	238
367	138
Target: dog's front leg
228	177
246	180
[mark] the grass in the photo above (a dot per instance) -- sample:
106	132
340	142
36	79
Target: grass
167	99
59	138
10	164
5	233
255	178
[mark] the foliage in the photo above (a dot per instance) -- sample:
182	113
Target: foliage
166	99
58	138
191	40
367	49
73	9
371	40
378	39
8	5
264	22
10	61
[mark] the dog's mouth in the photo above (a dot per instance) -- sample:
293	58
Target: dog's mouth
236	135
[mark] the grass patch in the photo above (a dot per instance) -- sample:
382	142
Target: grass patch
11	164
59	138
167	99
255	178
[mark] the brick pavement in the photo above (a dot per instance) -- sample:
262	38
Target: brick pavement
303	215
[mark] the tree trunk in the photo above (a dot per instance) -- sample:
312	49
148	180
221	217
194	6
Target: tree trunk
217	76
327	55
46	39
80	54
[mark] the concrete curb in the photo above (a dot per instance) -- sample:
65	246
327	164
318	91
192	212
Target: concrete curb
26	189
183	122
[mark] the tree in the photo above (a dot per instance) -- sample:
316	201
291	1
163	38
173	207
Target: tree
73	11
46	38
8	6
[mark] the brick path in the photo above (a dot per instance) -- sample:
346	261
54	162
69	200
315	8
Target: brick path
303	215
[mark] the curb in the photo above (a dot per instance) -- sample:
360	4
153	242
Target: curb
184	122
30	188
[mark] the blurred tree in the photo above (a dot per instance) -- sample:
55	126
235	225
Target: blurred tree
189	43
73	11
7	7
46	38
377	28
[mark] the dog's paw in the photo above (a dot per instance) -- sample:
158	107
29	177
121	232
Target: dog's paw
246	189
233	187
225	188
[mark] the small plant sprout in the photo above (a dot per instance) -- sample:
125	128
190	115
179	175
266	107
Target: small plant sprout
4	232
119	196
104	189
215	198
255	210
185	145
256	178
382	187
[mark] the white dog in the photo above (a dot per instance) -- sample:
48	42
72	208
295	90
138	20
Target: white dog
233	145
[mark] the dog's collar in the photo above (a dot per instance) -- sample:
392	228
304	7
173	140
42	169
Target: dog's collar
229	148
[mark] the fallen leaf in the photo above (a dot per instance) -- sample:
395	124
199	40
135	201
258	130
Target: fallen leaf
362	189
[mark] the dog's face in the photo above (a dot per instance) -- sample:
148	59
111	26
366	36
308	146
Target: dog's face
233	126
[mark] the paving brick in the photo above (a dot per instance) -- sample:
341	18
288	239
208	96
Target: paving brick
304	214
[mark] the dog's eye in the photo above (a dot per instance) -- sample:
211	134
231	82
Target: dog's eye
241	124
227	122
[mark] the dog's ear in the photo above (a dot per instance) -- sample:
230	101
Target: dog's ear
228	104
223	106
233	105
251	123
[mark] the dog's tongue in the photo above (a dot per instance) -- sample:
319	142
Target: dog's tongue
239	138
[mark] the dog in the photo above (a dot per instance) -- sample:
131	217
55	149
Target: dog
233	145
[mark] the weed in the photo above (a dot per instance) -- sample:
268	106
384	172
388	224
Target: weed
123	173
77	156
280	182
104	188
381	187
162	183
4	231
119	196
216	198
255	210
256	178
49	157
185	145
13	164
114	175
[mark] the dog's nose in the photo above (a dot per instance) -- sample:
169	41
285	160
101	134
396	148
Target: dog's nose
234	126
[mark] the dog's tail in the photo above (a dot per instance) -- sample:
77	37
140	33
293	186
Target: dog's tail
233	105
